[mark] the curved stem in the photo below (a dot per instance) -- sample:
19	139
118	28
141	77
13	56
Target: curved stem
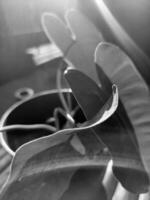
64	114
59	78
59	87
27	127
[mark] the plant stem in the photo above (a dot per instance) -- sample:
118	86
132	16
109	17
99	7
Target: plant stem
59	78
27	127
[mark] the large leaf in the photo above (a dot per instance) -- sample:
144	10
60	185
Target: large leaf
134	95
127	163
78	47
46	168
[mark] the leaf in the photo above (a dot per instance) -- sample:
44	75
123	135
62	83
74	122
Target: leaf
56	31
84	35
87	93
44	168
134	95
122	145
87	38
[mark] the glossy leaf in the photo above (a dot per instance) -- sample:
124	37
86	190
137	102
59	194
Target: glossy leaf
44	168
134	111
122	145
84	35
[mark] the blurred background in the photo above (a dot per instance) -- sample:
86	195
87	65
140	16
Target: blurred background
20	28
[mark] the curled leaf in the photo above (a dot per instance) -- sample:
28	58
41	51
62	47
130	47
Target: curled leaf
113	66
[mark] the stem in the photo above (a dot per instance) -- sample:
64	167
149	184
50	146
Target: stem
63	113
75	110
59	80
69	100
59	87
28	127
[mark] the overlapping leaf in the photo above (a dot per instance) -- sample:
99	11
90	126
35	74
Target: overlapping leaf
114	133
77	39
135	100
45	168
